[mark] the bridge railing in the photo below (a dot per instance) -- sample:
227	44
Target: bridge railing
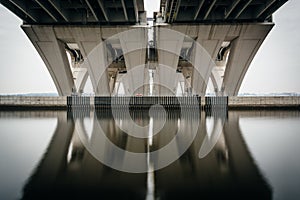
146	102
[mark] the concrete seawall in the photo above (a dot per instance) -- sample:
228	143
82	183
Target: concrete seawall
42	102
33	102
264	102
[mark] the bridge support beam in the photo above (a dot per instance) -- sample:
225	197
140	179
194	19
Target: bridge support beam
243	49
89	41
97	65
80	77
209	39
169	45
52	51
51	42
134	46
244	39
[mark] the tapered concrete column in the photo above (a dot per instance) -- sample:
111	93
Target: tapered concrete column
94	51
113	75
133	81
134	44
165	81
217	80
243	49
202	69
146	82
80	74
80	77
92	43
245	40
208	40
97	64
208	43
53	53
169	44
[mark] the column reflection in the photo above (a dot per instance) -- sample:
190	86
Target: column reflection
69	170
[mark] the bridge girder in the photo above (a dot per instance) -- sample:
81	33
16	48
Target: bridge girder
76	11
219	11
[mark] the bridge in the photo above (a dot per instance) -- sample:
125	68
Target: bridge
186	45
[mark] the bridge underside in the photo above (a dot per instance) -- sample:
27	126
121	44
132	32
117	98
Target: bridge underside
184	63
76	11
218	11
190	45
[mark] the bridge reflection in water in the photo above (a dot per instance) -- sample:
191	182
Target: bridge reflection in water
69	170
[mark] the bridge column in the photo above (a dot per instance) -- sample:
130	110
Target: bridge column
53	53
209	41
92	42
134	46
94	51
217	80
202	68
169	44
146	81
80	77
97	64
243	49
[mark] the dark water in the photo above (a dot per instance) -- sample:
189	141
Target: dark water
245	155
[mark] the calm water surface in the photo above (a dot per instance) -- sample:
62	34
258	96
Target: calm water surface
254	155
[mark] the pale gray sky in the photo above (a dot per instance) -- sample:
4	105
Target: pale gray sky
275	68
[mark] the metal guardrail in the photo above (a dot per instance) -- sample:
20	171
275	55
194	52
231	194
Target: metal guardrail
216	101
78	102
145	102
216	106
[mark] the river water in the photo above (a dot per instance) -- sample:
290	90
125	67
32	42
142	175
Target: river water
157	155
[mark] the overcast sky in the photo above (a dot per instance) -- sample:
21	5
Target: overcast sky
275	68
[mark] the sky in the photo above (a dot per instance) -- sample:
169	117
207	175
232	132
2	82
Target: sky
274	69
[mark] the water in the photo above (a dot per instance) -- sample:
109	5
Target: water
235	155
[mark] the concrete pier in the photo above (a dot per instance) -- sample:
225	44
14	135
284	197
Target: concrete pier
262	102
33	102
42	102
